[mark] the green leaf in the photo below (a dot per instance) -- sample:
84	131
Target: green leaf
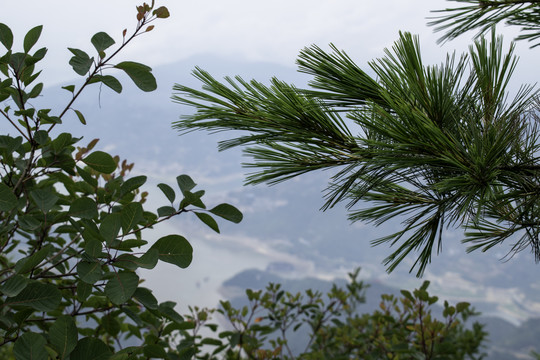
70	88
80	61
146	298
63	335
192	199
167	309
132	184
110	324
161	12
39	54
80	116
147	261
61	143
30	346
166	211
227	212
16	61
213	342
208	220
93	247
140	74
6	36
87	177
155	351
83	290
121	287
132	213
41	137
31	38
185	183
26	264
14	285
407	294
91	349
102	41
8	200
45	199
168	191
41	297
108	80
89	271
128	245
100	161
36	91
29	222
174	249
462	306
84	208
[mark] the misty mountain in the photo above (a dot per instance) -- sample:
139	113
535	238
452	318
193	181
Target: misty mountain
281	223
505	341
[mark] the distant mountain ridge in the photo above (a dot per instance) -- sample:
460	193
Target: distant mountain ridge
506	341
284	220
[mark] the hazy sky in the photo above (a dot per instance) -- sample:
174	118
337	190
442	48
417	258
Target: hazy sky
273	31
247	30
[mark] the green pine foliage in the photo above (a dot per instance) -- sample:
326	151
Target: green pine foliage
438	147
482	15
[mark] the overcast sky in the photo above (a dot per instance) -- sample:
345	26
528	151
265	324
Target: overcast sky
246	30
273	31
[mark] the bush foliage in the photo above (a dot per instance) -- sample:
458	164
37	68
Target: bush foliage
72	219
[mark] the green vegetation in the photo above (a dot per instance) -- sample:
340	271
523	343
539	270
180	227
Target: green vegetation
72	219
75	231
312	325
439	147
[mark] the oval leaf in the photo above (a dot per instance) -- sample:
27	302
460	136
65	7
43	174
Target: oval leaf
26	264
30	346
108	80
80	116
167	309
7	199
140	74
110	227
80	61
13	285
63	335
228	212
174	249
185	183
83	290
147	261
168	191
102	41
91	349
166	211
31	38
131	215
121	287
161	12
6	36
41	297
89	272
132	184
100	161
45	199
84	208
146	298
208	220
